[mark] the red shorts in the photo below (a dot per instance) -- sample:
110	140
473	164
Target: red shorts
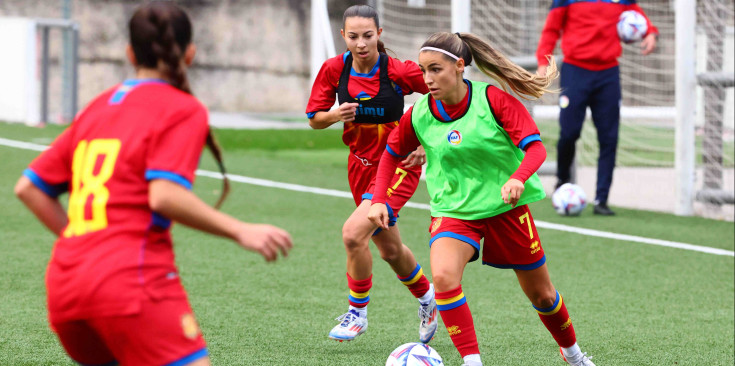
165	332
361	174
511	239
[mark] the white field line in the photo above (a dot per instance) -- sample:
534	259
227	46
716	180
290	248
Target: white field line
22	145
423	206
541	224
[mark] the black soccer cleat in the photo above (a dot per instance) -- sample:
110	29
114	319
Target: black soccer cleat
602	209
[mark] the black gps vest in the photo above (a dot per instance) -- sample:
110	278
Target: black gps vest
385	107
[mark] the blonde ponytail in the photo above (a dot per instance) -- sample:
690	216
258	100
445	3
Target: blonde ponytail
494	64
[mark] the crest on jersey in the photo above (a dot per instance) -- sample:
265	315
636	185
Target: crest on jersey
435	225
362	96
454	137
189	326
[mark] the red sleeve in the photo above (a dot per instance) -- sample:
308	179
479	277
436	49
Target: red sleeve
550	34
386	170
651	28
402	141
513	116
51	171
176	146
324	89
535	156
407	75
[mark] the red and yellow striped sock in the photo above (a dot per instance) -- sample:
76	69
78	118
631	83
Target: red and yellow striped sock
457	317
416	282
557	321
359	291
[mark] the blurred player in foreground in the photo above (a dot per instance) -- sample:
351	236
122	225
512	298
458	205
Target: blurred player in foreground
128	162
480	182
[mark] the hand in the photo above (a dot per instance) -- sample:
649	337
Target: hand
378	215
416	158
648	44
347	111
265	239
541	70
511	191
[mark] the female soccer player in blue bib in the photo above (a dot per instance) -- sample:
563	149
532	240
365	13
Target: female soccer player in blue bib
370	86
480	182
128	160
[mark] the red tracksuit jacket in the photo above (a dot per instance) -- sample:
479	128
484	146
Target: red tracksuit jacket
588	30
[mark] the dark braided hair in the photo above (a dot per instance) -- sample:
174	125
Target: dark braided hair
160	33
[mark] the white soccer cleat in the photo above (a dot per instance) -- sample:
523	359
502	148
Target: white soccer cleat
429	320
351	325
471	363
581	360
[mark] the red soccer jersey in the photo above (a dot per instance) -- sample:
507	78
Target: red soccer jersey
365	140
115	250
588	31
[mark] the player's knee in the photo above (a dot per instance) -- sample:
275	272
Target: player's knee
445	279
391	253
608	142
352	238
569	136
543	299
351	242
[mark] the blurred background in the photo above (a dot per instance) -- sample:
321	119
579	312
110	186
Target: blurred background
257	58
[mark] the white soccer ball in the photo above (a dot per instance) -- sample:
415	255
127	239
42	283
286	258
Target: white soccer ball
569	200
414	354
632	26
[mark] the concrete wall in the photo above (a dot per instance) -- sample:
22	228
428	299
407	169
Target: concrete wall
253	54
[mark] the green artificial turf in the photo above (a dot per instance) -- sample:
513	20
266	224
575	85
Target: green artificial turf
631	303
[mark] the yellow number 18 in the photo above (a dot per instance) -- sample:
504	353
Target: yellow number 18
86	182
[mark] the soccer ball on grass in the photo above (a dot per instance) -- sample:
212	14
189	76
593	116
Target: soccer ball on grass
569	200
414	354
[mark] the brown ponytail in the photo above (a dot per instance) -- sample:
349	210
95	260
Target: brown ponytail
381	47
160	32
216	151
494	64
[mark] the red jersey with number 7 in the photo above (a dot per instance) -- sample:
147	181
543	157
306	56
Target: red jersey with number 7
115	251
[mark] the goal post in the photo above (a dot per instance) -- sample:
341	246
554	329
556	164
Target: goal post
24	69
322	42
19	98
685	118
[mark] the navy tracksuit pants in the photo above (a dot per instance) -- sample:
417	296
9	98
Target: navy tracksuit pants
600	90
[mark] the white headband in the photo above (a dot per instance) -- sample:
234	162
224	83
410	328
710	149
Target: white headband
439	50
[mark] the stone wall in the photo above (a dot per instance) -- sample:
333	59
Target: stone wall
253	55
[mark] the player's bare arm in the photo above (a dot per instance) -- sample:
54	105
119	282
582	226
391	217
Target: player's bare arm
179	204
345	113
378	215
417	157
47	209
